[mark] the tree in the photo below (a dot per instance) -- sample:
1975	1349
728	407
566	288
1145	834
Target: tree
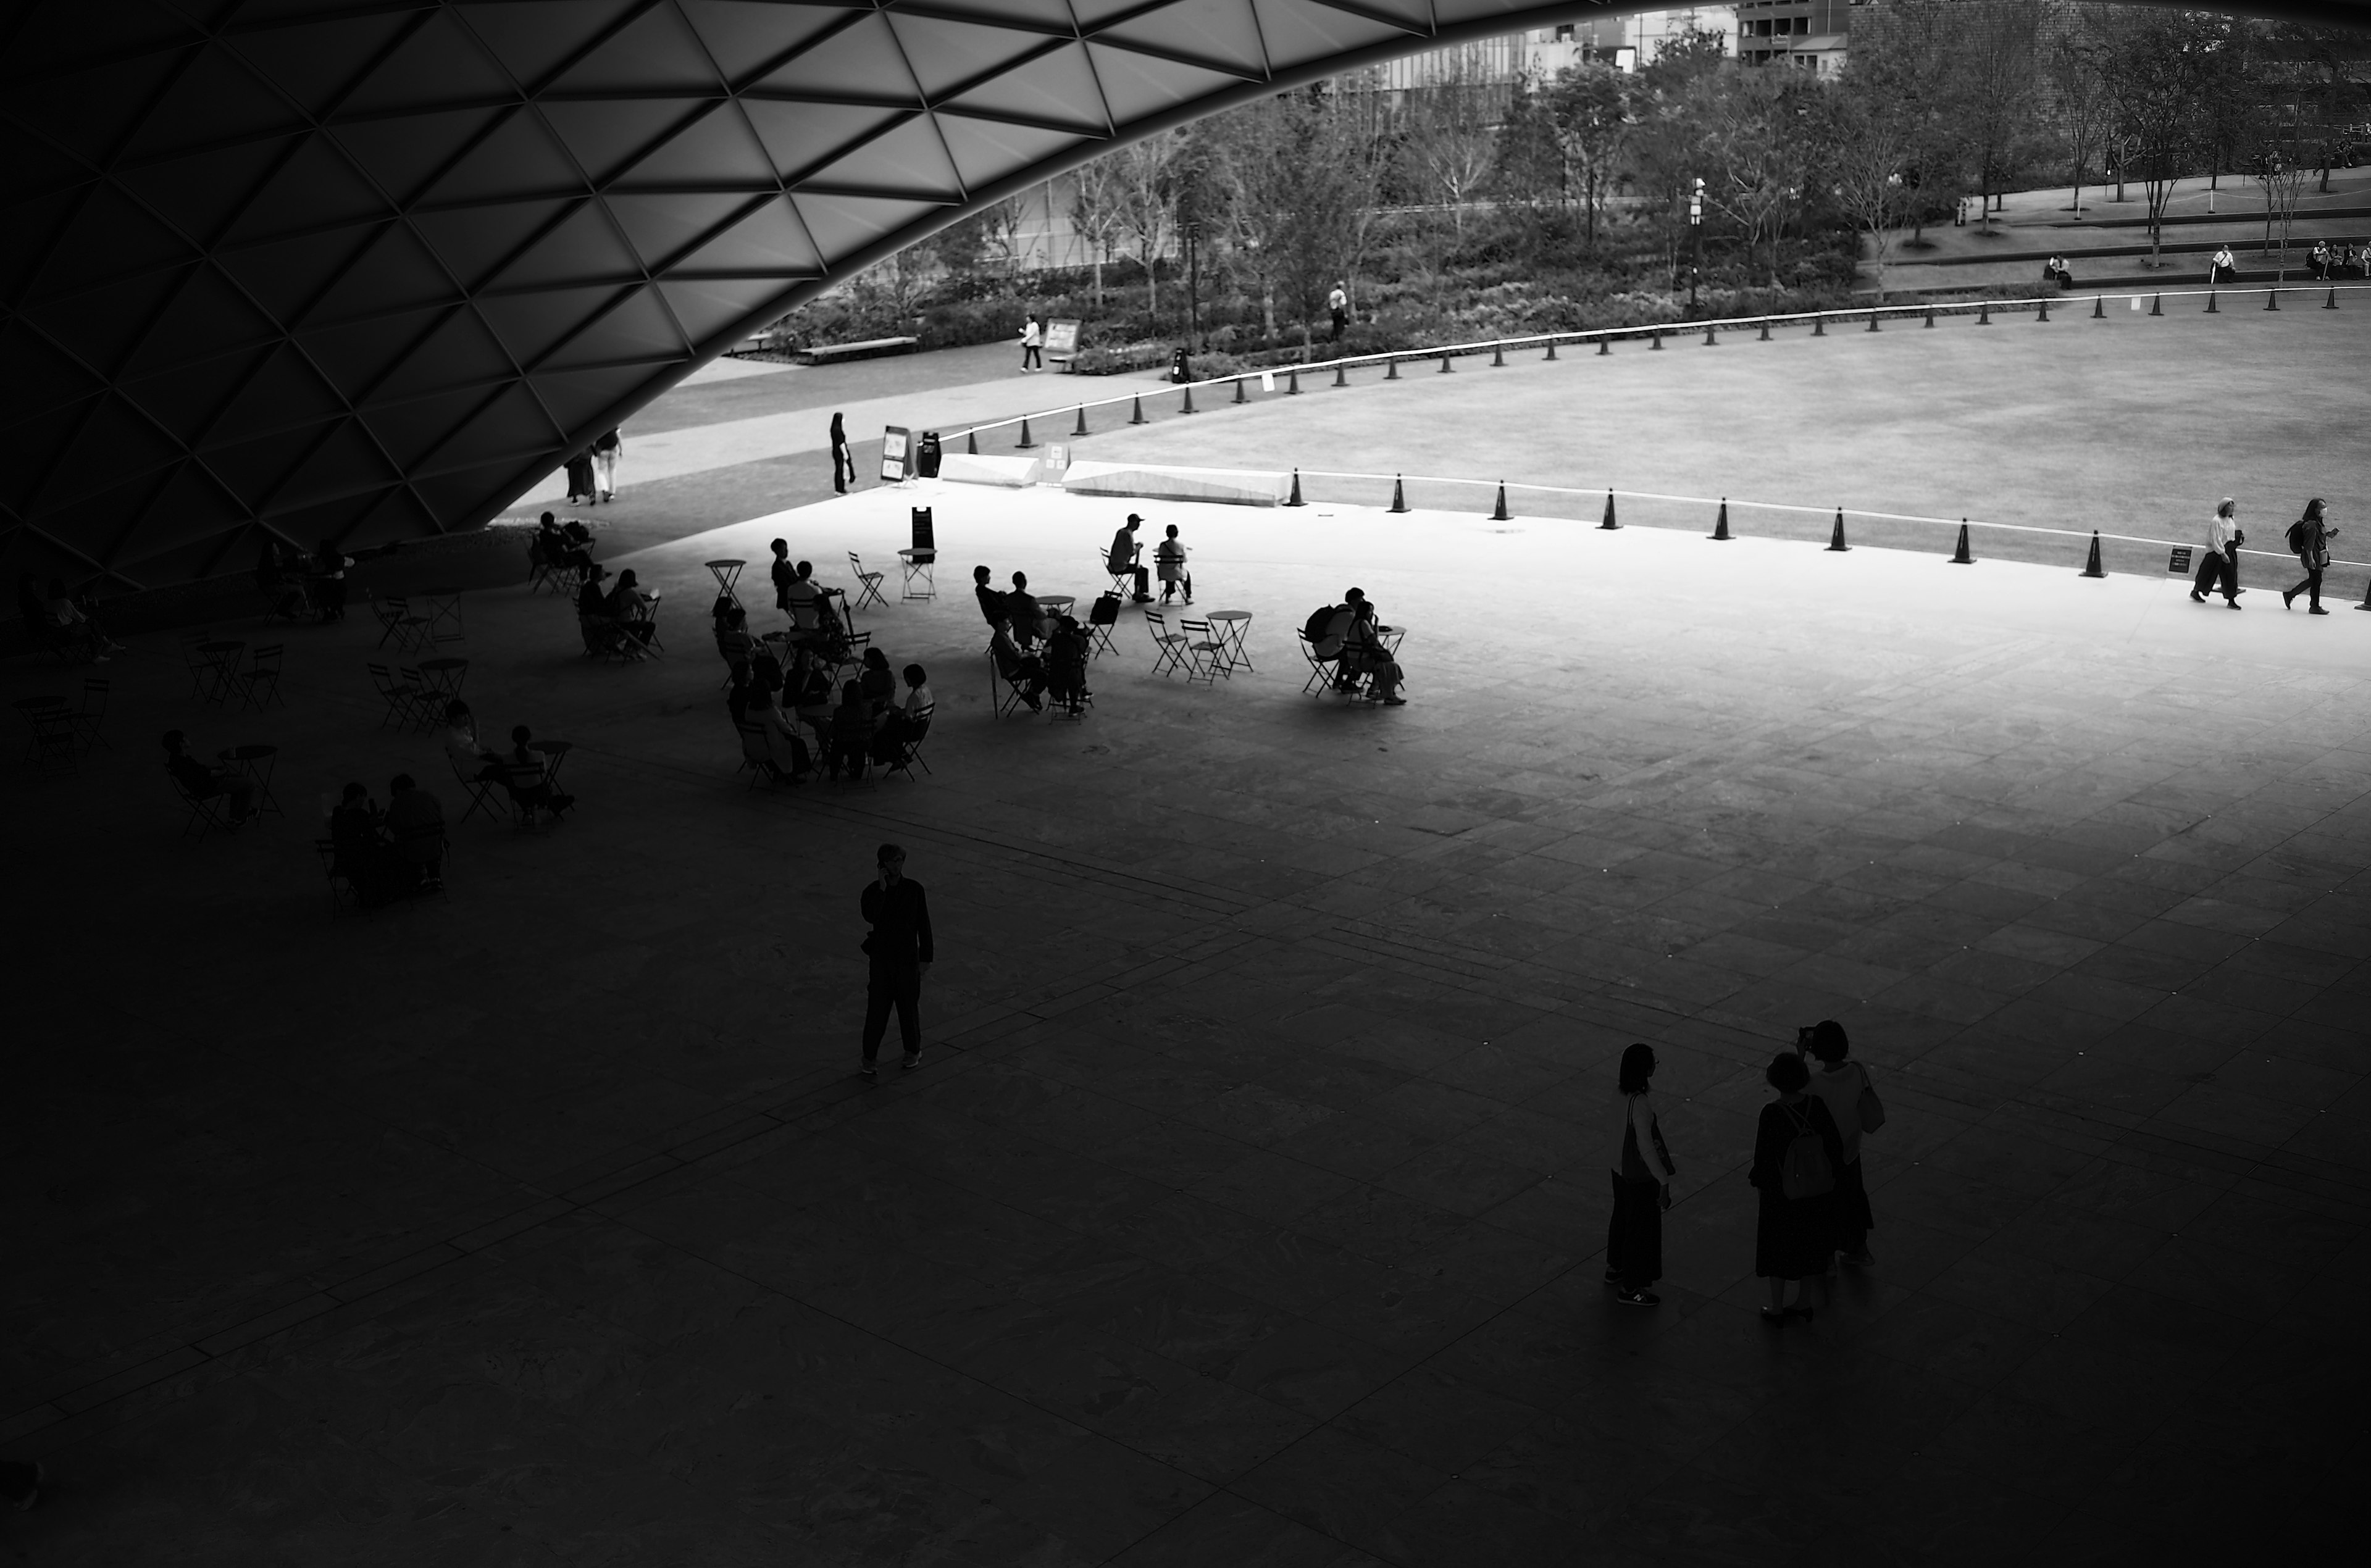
2084	111
1145	202
2158	68
1292	182
1447	141
1098	215
1758	137
1871	131
1591	107
1995	75
1904	53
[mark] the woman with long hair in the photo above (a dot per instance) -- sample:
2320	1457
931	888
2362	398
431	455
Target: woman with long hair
843	460
1634	1238
2309	537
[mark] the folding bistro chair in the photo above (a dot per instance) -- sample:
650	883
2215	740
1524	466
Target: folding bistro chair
327	849
1321	672
258	684
202	668
92	713
920	559
1168	647
1122	581
402	697
1003	691
51	740
1206	653
480	791
205	811
397	623
868	585
909	750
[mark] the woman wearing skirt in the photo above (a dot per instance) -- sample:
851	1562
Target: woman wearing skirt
1634	1241
1795	1235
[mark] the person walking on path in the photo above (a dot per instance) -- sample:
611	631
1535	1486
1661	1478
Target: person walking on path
900	951
1033	343
2309	537
1337	304
605	448
2222	556
843	457
1634	1238
1842	1086
1797	1153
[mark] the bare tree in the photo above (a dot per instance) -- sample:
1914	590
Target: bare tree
1147	201
1097	213
2158	68
1448	137
2281	148
1759	146
1995	76
1871	132
2086	111
1295	178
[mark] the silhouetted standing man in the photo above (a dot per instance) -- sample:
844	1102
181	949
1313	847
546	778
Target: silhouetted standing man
899	948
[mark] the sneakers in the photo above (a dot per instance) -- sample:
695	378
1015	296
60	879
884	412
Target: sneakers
867	1071
908	1064
1395	702
2288	598
1637	1298
2317	610
1614	1278
2196	598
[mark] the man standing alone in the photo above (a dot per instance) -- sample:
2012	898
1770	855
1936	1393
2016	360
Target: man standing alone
900	951
1338	304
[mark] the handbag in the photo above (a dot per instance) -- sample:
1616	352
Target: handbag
1870	1109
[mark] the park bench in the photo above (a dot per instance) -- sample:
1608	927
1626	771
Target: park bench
824	353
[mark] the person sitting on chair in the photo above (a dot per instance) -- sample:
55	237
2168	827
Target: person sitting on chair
528	779
733	643
2317	260
991	602
1124	553
283	594
1023	614
803	599
1366	656
416	824
786	752
1170	557
2223	268
203	782
358	852
1066	665
71	625
469	759
851	731
1020	671
904	722
561	549
880	685
631	608
592	600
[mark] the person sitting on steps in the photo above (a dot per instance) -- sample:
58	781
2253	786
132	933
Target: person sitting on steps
2223	268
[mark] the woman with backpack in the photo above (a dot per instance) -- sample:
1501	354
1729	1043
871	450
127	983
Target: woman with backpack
1842	1086
2309	537
1634	1238
1797	1153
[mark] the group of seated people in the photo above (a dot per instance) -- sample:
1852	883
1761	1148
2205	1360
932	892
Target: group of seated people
1018	628
1127	554
65	621
1348	636
293	584
203	781
856	723
2055	270
389	853
524	772
2329	262
620	616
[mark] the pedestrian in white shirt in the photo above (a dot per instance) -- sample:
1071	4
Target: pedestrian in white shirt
2222	556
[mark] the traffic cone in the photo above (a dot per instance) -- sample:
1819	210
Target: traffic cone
1985	314
1498	356
1446	369
1499	513
1188	406
1399	496
971	444
1024	444
1658	343
1138	416
1837	540
2211	310
1341	375
1960	557
2092	567
2157	305
2099	307
1872	320
1551	355
1390	370
1710	341
2272	299
2332	303
1721	524
1930	315
1604	347
1292	382
1819	325
1296	500
1081	428
1765	331
1609	522
2045	311
2366	605
1238	391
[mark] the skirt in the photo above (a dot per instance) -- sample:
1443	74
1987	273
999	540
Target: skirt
1634	1239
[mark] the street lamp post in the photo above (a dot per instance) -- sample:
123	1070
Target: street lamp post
1696	226
1194	284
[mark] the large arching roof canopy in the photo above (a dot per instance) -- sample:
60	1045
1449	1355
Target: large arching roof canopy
368	267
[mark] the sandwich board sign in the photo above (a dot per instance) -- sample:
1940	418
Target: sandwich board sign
896	455
1061	341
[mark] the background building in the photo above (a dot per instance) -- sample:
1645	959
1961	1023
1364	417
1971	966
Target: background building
1805	34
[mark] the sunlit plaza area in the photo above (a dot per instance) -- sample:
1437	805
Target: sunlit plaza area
529	1163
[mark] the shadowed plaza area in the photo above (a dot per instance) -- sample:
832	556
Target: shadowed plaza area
1250	1203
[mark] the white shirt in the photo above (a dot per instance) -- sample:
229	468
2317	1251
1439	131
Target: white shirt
2219	532
917	699
1839	1087
1336	300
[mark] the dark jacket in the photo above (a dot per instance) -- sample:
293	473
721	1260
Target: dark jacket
901	923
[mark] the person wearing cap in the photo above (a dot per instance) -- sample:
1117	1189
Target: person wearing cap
899	951
1123	557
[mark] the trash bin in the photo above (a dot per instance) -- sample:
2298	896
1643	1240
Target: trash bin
1180	372
926	456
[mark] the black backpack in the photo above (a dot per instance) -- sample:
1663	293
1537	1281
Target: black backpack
2297	537
1319	619
1106	611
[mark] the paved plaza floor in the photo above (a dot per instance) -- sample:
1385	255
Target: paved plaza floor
1250	1203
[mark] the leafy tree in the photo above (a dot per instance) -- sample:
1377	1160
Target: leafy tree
1098	215
1593	107
1147	170
2086	112
1761	146
1995	49
1873	127
2159	67
1447	140
1293	181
